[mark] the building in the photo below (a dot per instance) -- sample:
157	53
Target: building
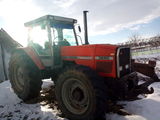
7	45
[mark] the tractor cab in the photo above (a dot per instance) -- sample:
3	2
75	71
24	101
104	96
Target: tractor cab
47	34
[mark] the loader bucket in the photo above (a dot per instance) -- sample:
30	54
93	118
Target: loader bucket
147	69
133	88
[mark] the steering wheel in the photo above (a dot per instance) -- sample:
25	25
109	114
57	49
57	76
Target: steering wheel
62	42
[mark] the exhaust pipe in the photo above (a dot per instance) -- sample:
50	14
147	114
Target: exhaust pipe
85	27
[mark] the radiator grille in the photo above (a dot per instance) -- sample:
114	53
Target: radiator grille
123	59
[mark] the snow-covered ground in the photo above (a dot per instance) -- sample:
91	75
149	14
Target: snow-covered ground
145	109
12	108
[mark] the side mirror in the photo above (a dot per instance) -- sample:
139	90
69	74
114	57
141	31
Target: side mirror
79	28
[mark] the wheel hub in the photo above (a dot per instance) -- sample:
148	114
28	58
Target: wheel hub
19	76
78	94
75	96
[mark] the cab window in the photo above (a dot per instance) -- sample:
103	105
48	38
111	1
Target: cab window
63	34
38	39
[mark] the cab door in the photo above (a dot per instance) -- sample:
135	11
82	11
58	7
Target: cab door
40	40
63	34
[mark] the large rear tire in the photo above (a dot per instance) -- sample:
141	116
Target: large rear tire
81	94
24	76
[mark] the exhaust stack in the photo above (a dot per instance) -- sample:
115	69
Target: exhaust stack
85	27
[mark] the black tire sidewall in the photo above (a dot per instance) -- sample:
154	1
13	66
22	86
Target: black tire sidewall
21	94
32	83
84	78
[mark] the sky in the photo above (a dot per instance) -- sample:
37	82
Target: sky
109	21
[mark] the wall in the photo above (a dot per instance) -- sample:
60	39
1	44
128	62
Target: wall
7	58
2	76
4	63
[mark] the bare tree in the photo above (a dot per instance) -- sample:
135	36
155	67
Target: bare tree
135	38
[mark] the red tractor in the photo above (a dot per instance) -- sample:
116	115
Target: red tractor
85	76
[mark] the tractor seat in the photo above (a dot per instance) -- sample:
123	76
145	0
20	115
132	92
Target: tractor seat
64	43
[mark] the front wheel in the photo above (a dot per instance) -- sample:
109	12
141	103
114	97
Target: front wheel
81	94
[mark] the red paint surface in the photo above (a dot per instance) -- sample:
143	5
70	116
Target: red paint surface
32	54
91	50
85	51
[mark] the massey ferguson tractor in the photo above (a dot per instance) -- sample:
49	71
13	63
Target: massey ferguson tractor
85	76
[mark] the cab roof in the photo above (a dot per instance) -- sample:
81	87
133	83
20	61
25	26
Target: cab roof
52	18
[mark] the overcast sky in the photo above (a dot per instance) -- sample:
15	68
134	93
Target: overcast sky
109	21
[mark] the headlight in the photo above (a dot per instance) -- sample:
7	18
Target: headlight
120	68
127	66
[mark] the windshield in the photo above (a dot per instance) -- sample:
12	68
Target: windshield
38	39
38	35
63	34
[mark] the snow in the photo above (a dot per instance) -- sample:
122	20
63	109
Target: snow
7	97
12	108
47	83
145	109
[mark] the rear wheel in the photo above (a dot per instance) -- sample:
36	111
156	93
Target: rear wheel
24	76
81	94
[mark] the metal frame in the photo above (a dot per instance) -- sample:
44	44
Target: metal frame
50	41
117	57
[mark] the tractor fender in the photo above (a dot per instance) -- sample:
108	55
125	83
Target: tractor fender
32	55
